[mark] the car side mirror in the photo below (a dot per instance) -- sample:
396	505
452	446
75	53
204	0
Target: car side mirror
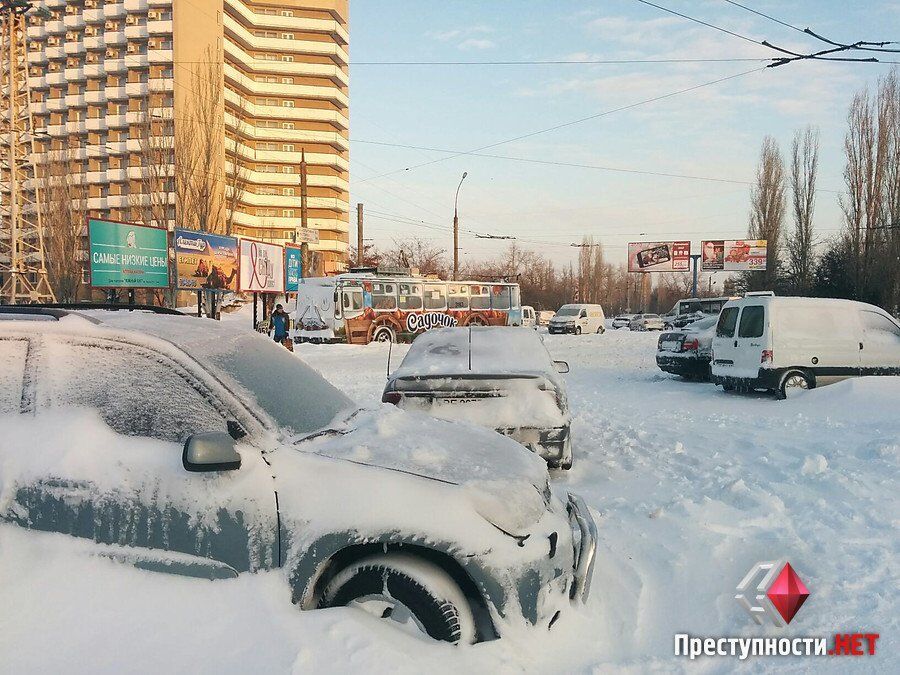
211	451
561	366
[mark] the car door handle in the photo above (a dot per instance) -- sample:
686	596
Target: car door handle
860	345
735	343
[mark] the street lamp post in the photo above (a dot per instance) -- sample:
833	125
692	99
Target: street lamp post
456	229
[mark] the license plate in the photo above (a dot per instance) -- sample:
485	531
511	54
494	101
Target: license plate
669	346
454	400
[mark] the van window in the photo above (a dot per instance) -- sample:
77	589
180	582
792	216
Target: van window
727	322
410	296
876	323
583	314
435	296
752	321
480	298
384	297
500	297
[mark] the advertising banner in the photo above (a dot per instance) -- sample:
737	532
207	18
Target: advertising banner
124	255
293	268
262	267
205	261
659	256
733	255
306	235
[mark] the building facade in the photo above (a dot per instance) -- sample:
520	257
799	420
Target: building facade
195	112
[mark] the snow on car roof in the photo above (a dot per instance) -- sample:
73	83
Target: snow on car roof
494	350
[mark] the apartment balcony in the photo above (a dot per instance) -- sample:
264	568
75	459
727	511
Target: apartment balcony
328	26
138	32
113	38
135	5
160	55
116	121
93	16
78	127
312	158
55	53
289	135
134	144
36	33
55	27
96	123
94	42
136	88
72	21
94	70
74	48
113	10
96	96
162	84
75	101
117	201
97	177
55	104
117	175
75	75
236	55
115	65
56	78
38	57
159	3
159	27
37	82
116	93
330	49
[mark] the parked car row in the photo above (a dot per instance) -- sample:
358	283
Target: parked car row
783	344
446	528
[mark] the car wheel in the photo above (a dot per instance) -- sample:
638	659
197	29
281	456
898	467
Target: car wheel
417	595
794	382
384	334
577	330
600	330
727	387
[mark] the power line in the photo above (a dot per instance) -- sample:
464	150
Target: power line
559	62
765	16
571	123
702	23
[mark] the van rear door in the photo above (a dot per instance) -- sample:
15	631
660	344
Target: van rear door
750	340
724	346
880	346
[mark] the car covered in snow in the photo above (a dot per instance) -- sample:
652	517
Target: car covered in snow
645	322
687	351
184	445
622	321
496	377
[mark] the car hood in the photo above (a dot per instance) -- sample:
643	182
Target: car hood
506	484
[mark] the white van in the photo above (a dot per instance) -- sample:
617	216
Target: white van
577	319
529	319
789	344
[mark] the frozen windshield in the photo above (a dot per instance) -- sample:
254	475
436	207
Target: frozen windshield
568	310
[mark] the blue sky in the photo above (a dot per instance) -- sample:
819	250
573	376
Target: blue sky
715	131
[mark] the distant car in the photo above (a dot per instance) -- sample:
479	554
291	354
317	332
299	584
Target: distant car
682	320
188	446
577	319
787	345
668	320
645	322
622	320
687	351
529	319
493	376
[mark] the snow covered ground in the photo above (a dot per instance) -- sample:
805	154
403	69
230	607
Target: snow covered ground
692	487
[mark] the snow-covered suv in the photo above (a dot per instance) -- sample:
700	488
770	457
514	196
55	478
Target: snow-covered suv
186	446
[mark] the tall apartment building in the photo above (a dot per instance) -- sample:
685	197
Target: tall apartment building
105	74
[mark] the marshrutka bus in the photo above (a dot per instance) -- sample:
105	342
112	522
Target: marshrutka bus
359	308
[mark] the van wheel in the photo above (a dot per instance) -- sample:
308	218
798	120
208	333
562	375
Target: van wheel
384	334
600	330
577	330
794	382
415	594
727	387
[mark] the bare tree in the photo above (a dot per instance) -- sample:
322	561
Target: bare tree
767	207
799	242
156	136
416	253
237	176
64	207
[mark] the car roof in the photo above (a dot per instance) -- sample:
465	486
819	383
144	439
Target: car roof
476	350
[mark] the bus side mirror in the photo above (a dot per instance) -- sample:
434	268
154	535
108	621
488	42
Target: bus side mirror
561	366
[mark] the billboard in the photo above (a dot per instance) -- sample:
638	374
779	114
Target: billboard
659	256
262	267
124	255
733	255
293	268
205	261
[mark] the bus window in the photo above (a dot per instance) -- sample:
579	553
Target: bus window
500	297
458	297
516	300
435	296
384	297
410	296
480	298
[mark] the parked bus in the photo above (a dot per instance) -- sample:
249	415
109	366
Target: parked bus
367	307
706	305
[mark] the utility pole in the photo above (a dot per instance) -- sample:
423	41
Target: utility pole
695	259
359	235
22	256
456	229
304	245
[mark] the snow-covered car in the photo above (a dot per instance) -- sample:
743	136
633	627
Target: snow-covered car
687	351
183	445
682	320
497	377
529	318
645	322
622	320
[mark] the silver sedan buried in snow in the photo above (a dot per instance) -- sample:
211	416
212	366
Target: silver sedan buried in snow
496	377
186	446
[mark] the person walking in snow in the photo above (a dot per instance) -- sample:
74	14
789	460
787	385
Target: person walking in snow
280	325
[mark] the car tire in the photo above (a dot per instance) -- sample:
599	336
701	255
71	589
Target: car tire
727	387
406	589
384	334
577	330
793	382
601	330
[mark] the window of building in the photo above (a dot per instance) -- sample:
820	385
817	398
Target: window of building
287	104
287	213
287	80
289	58
287	192
287	168
288	147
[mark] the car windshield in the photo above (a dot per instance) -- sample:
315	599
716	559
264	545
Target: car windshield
568	310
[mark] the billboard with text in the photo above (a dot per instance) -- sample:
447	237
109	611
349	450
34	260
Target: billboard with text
125	255
262	267
659	256
205	261
293	268
733	255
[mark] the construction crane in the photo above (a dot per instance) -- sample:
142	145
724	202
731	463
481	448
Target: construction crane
23	265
